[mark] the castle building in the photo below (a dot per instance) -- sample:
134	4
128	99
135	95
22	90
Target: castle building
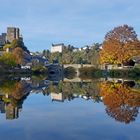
12	33
11	112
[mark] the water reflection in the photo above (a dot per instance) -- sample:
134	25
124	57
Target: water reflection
120	97
122	100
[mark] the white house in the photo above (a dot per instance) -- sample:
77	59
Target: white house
57	48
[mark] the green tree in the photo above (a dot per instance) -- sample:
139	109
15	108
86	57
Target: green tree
46	53
8	59
6	46
55	56
94	54
20	44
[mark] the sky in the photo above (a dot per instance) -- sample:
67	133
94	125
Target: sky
75	22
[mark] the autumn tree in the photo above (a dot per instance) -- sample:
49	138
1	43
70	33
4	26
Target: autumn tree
120	45
122	102
19	55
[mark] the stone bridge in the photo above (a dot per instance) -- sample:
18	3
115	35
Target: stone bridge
57	70
77	66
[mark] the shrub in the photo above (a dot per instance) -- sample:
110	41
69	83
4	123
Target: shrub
90	72
69	72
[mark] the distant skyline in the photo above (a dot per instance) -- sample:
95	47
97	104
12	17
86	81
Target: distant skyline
75	22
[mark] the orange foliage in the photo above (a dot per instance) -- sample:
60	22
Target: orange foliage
121	101
18	91
120	45
18	53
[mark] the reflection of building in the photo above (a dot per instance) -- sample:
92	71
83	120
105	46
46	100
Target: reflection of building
2	107
11	112
57	97
11	103
57	48
12	33
136	59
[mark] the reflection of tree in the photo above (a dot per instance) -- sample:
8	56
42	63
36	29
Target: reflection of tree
13	94
123	114
14	91
90	89
121	101
18	91
69	72
13	88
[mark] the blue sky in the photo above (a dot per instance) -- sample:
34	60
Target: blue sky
75	22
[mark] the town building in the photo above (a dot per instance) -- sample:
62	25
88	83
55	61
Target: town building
33	60
57	48
38	60
12	33
75	49
136	60
2	39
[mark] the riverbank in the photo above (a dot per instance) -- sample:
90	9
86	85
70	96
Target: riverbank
123	73
36	70
84	72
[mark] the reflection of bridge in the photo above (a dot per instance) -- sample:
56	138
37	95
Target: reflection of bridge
76	80
77	66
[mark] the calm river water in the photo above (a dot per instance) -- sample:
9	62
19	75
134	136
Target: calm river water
33	108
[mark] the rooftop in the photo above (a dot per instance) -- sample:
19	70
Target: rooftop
60	44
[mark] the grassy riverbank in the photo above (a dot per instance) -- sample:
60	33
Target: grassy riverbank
123	73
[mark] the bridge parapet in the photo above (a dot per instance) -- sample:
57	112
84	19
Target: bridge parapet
77	65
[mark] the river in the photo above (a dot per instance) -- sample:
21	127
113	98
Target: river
33	108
